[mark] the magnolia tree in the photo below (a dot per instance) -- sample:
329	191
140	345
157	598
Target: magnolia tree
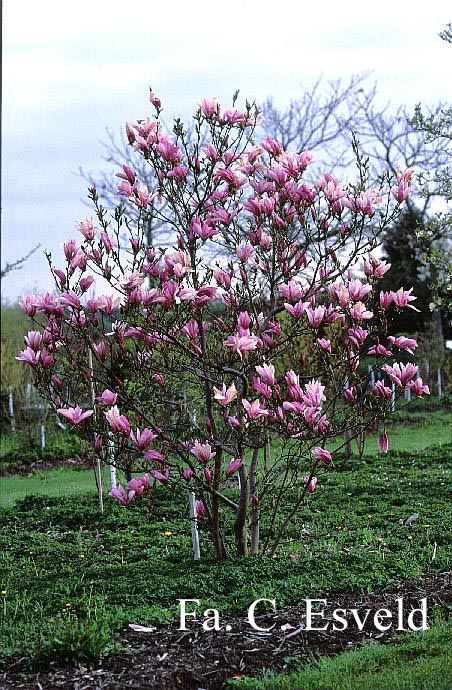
189	372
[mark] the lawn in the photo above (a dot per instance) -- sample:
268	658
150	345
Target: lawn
72	578
420	661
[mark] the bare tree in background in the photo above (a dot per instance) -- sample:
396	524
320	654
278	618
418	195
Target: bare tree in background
117	153
325	115
322	119
18	264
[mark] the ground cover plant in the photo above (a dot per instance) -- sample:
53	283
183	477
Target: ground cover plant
16	453
72	578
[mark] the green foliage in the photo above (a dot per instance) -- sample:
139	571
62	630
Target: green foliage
59	445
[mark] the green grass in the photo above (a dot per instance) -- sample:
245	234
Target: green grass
412	432
416	661
409	432
53	483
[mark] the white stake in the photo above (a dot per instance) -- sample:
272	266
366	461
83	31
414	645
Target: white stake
111	461
43	436
98	466
439	383
393	398
194	526
372	375
11	410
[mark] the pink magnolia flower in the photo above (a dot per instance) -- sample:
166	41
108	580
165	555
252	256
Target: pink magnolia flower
121	494
87	229
379	350
245	252
117	421
154	455
315	316
359	312
207	475
242	344
132	280
324	344
85	283
408	344
61	276
139	484
322	454
400	193
155	100
401	374
33	340
313	395
297	310
142	439
386	299
29	356
417	387
209	107
267	374
375	267
234	465
310	483
254	410
128	175
200	508
168	151
162	477
358	290
202	452
402	298
234	422
262	388
187	474
357	335
28	305
383	442
351	394
101	350
108	397
271	146
74	415
225	396
382	391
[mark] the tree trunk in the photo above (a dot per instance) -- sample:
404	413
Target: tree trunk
255	527
348	443
240	529
220	552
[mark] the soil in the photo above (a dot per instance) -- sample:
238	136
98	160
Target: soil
171	659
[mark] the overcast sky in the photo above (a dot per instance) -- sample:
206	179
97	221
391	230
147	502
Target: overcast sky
71	70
